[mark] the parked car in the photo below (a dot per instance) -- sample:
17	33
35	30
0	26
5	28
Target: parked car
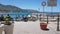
2	18
32	18
25	19
18	19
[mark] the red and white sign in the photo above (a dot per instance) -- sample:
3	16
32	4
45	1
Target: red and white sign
43	3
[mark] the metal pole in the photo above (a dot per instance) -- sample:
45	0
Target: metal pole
58	23
52	11
43	13
47	19
40	17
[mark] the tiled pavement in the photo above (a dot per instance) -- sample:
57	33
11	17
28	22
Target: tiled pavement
33	28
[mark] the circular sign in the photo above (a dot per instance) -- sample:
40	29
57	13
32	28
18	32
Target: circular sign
43	3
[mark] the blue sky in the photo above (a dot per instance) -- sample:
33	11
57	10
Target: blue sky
31	4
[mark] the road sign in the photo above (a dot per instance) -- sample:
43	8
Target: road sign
52	2
43	3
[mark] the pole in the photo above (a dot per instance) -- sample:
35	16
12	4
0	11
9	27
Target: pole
43	13
52	12
40	15
47	19
58	23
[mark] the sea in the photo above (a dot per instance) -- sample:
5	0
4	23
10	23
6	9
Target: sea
16	14
23	14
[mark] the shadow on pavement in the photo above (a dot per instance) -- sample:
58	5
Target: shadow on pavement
58	30
46	29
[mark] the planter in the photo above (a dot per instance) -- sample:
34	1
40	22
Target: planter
1	28
8	23
9	29
43	26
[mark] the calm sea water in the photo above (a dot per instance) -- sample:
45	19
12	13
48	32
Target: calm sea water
18	14
22	14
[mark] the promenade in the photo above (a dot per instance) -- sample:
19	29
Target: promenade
31	27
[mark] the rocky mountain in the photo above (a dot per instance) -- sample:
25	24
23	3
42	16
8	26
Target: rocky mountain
10	8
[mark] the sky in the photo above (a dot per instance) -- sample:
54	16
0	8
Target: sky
31	4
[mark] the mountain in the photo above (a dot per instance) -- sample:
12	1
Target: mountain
10	8
30	10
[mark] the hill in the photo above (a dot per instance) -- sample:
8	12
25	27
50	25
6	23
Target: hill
10	8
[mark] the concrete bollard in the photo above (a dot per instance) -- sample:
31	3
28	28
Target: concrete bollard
8	29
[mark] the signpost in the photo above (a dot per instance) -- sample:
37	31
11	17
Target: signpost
58	23
43	4
53	3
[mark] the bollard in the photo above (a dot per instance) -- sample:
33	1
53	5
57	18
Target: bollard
8	29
